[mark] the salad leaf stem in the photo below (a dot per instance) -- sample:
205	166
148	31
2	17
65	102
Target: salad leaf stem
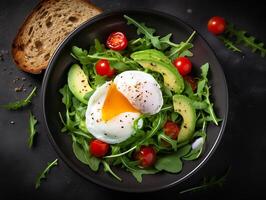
107	168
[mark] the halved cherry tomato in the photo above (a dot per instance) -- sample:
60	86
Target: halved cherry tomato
192	81
117	41
183	65
216	25
171	129
98	148
103	68
146	156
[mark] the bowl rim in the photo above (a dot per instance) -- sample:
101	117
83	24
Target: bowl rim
48	72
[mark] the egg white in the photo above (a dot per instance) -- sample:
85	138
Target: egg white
113	131
141	90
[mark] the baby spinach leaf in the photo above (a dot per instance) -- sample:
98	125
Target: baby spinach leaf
170	163
83	154
44	173
67	95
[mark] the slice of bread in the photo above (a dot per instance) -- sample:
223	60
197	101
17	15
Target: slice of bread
45	28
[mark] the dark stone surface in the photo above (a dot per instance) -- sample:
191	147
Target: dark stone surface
243	145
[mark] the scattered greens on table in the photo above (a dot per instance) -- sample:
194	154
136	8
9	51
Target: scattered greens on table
21	103
44	173
32	129
233	37
208	183
169	157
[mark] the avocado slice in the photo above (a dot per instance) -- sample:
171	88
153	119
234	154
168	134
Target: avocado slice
78	83
184	107
155	60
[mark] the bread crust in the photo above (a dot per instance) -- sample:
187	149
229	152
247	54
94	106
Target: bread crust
19	45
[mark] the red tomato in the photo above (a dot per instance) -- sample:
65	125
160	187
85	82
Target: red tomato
216	25
103	68
117	41
98	148
171	129
191	81
183	65
146	156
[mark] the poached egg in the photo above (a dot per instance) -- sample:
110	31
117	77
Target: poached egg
114	106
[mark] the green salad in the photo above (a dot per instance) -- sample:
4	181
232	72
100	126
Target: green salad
136	104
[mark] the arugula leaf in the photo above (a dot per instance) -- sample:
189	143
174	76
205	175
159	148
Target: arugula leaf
67	95
32	129
148	32
244	38
199	105
139	44
83	154
203	90
45	172
21	103
208	183
98	46
156	125
229	44
99	80
181	49
107	168
80	55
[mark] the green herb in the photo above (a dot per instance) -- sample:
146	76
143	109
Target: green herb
44	173
229	44
234	35
32	129
21	103
148	32
203	93
208	183
181	49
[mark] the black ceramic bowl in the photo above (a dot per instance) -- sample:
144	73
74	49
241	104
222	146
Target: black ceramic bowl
100	27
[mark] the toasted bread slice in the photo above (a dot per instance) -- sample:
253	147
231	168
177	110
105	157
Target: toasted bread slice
45	28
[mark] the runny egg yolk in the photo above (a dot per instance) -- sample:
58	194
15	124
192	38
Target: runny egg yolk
115	103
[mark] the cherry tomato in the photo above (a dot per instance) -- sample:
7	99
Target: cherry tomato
117	41
183	65
171	129
192	81
146	156
216	25
103	68
98	148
